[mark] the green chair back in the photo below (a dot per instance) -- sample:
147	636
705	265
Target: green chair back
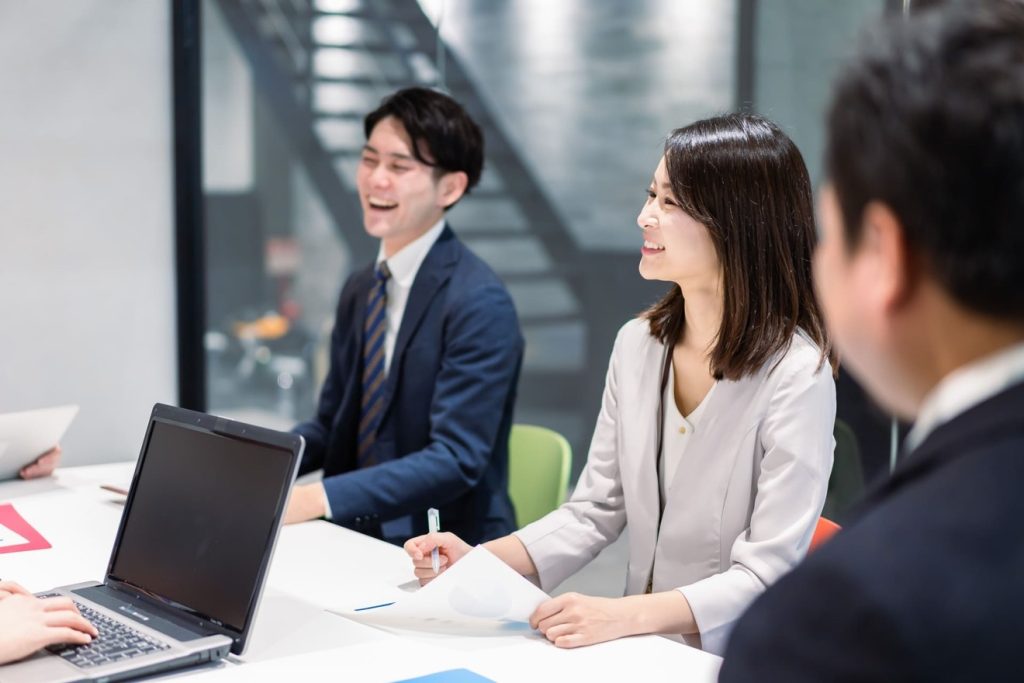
538	471
846	485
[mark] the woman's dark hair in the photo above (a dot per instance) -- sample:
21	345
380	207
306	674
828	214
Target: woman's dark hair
746	181
443	135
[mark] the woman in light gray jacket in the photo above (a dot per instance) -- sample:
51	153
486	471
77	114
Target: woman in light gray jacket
714	441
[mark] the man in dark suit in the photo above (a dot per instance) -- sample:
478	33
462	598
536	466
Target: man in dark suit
921	275
425	355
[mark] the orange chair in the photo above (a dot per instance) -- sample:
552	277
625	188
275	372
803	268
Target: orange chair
823	530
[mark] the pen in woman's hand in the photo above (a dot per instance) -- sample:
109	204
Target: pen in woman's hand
433	526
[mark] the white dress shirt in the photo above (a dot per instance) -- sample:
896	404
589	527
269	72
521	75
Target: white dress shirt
965	388
403	266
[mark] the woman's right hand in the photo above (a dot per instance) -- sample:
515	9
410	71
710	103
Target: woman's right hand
450	547
28	623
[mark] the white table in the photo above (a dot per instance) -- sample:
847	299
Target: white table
318	566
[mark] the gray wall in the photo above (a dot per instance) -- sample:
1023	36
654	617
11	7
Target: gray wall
86	217
800	45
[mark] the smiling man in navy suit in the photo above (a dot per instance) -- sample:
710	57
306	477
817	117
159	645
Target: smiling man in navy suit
921	276
426	350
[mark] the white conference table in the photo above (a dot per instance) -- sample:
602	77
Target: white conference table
317	567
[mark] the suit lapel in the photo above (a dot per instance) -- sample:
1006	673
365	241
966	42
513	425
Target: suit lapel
985	421
351	320
434	272
640	407
646	408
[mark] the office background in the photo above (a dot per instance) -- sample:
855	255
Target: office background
87	268
178	200
575	98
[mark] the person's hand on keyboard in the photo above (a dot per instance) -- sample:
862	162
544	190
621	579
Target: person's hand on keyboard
28	623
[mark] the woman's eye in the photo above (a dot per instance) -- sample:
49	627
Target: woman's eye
670	202
650	194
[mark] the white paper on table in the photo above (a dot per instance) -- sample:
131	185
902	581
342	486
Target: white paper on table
478	595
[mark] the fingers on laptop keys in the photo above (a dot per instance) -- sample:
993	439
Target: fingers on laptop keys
41	623
63	613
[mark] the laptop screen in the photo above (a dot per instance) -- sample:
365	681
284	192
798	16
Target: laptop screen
202	518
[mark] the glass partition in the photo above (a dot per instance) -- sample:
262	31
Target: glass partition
575	98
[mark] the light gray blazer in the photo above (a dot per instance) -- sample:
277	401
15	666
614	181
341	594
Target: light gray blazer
742	506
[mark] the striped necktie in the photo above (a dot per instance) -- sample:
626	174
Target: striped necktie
374	374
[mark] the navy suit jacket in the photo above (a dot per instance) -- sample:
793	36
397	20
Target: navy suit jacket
927	584
443	436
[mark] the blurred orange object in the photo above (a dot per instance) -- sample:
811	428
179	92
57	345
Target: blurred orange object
269	327
823	530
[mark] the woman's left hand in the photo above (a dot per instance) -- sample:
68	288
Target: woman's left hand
9	588
574	620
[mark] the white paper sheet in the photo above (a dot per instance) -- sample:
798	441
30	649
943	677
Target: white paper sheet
478	595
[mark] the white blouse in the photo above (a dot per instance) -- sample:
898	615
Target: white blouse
677	432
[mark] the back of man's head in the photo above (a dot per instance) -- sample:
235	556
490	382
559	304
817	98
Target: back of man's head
929	120
442	133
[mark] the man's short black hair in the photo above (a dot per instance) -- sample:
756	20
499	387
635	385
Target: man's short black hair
929	119
443	135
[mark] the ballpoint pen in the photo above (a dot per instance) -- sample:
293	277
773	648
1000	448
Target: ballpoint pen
433	526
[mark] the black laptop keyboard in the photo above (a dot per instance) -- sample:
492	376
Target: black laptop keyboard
116	642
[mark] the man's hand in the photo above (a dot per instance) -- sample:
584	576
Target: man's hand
42	466
28	623
307	502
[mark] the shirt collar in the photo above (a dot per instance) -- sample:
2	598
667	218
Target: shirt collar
966	387
407	261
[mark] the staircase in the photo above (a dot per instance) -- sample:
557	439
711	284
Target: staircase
322	65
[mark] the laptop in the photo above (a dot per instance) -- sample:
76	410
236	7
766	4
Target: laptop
191	554
27	434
